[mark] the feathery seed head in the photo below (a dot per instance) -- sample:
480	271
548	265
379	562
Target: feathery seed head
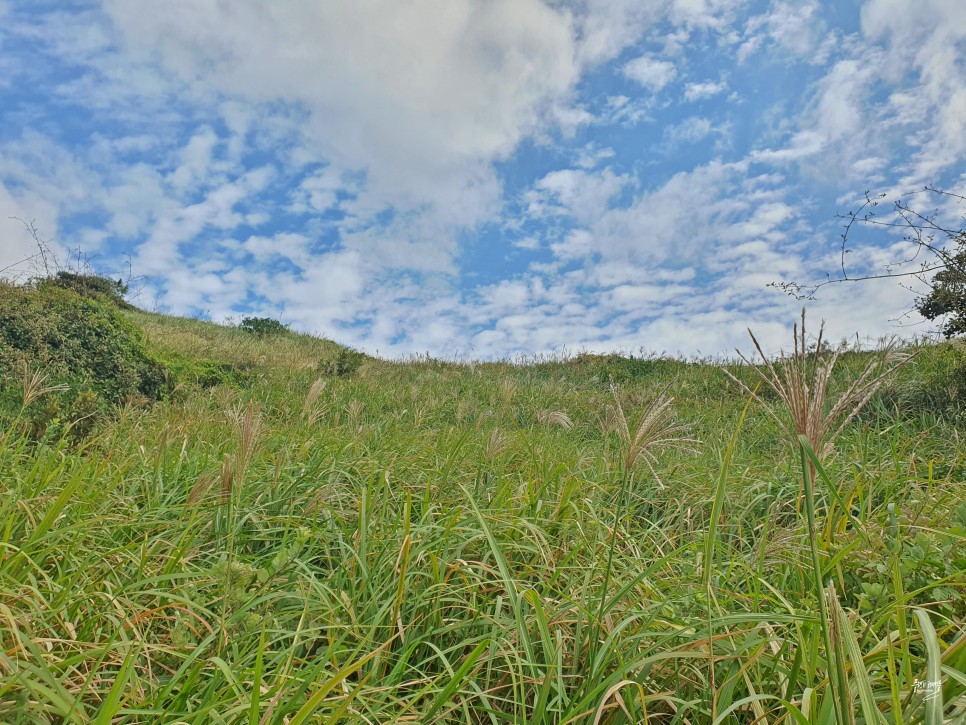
801	380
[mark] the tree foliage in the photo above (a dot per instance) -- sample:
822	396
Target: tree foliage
947	294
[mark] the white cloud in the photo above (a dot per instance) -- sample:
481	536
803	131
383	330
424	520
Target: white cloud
20	255
690	130
582	194
916	59
650	311
421	95
792	31
529	243
320	294
623	111
842	97
703	14
929	42
749	47
631	291
382	123
795	26
650	72
184	224
832	128
605	27
591	155
319	191
133	198
707	89
194	164
680	219
293	247
39	181
414	244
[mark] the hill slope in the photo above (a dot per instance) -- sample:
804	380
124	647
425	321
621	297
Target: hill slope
297	533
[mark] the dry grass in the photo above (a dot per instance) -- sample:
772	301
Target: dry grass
35	385
658	428
293	353
555	418
494	444
247	425
801	381
309	410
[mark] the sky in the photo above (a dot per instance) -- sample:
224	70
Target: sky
484	179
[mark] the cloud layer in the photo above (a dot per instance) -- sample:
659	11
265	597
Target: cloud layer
480	178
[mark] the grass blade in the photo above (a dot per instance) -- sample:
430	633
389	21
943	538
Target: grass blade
933	698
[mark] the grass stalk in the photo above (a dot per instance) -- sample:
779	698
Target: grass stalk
833	664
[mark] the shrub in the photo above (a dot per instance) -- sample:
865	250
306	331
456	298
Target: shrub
263	326
939	385
82	344
345	363
93	286
620	369
205	373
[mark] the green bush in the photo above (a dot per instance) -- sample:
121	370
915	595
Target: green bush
263	326
205	373
90	285
344	364
935	383
620	369
83	344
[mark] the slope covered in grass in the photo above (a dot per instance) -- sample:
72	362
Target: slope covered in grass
299	534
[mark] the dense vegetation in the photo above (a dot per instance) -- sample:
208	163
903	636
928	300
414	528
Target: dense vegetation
290	532
73	352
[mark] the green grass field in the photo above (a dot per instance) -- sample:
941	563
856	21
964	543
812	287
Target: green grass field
296	534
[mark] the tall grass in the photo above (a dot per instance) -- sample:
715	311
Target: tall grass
432	543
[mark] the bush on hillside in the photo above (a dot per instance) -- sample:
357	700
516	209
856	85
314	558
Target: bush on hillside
79	342
193	370
614	368
940	385
94	286
263	326
344	364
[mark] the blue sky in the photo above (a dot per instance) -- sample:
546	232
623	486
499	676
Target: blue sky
482	178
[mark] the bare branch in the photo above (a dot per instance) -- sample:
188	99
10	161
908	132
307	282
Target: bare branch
923	229
44	262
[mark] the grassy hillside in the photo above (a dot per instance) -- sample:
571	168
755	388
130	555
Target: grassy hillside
296	533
